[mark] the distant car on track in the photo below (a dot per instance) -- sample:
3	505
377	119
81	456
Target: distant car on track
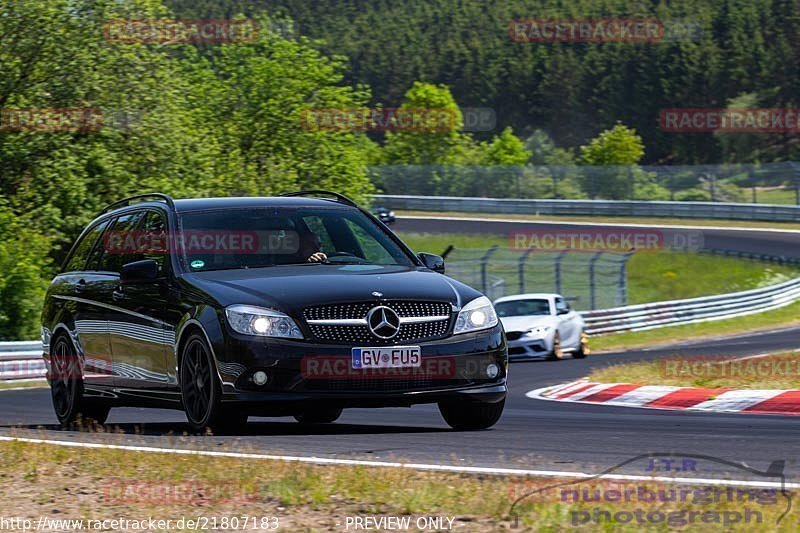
385	215
542	325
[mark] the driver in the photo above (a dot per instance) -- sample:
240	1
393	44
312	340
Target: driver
311	248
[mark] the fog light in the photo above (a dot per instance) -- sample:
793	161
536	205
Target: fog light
492	371
260	378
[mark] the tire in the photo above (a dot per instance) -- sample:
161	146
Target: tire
557	352
201	392
319	416
583	350
66	387
471	416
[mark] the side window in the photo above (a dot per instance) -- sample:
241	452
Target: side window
373	251
118	244
316	225
154	245
77	260
562	306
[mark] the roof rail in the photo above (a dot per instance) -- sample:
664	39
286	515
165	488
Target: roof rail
318	192
127	201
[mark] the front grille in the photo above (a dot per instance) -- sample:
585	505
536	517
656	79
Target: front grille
383	384
360	334
513	335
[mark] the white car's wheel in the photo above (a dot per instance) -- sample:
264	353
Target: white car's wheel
583	349
558	351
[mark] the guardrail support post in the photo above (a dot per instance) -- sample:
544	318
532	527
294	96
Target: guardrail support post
592	288
622	284
559	258
484	264
521	268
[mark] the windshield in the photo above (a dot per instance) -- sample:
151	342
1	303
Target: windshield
523	308
251	238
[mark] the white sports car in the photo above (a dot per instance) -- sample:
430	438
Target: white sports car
541	326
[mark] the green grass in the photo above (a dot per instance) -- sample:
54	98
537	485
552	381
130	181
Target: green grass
779	371
23	385
68	483
776	196
652	276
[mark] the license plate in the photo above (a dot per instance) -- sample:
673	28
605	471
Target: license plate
391	357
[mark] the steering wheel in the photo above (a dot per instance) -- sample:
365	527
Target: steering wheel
344	254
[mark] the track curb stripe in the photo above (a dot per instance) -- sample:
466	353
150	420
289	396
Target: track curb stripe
783	402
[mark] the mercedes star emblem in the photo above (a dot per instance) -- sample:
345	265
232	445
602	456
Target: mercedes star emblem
383	322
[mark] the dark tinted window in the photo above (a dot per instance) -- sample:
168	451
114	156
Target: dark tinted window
154	233
115	250
238	238
77	260
523	308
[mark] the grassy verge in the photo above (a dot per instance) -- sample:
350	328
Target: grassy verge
778	371
652	276
784	317
617	220
23	385
66	483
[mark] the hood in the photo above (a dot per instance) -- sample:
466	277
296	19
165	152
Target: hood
291	288
524	323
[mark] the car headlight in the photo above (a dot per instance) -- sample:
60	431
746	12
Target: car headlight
391	213
262	322
476	315
538	332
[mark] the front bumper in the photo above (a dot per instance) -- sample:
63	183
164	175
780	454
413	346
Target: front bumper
527	348
301	373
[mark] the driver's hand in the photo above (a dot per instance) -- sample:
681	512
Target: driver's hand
317	257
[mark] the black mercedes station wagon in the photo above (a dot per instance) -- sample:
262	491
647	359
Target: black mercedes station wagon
299	305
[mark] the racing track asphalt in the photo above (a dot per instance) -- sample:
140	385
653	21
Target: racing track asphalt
532	434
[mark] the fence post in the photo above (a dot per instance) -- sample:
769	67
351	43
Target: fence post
622	284
521	268
559	258
484	263
592	287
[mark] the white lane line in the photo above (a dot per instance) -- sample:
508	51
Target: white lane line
601	224
736	400
412	466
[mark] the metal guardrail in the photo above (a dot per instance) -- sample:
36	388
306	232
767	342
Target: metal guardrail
608	208
21	361
677	312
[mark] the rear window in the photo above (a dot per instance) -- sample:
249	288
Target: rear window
84	247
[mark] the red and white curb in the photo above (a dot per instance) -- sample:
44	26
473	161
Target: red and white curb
783	402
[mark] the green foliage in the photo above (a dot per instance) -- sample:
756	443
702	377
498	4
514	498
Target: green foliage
23	268
619	145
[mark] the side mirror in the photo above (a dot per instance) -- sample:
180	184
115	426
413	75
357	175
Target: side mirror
432	261
145	271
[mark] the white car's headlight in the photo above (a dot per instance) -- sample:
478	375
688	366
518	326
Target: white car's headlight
538	332
476	315
263	322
